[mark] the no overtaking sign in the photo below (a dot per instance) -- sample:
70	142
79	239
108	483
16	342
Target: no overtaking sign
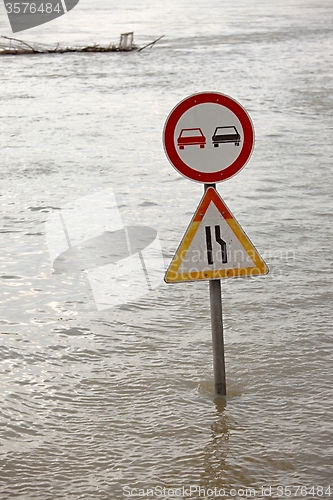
208	137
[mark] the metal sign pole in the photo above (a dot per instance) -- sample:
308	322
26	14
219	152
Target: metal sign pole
217	331
190	125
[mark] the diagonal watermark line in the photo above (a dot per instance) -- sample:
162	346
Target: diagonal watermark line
128	241
145	270
65	230
64	6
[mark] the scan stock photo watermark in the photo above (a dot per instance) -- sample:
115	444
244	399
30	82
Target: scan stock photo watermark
25	15
195	491
122	262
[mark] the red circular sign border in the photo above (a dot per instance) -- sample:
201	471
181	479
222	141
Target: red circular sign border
203	98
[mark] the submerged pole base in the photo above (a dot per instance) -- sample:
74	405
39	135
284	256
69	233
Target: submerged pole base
217	337
220	389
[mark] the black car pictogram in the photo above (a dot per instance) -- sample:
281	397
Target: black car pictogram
224	135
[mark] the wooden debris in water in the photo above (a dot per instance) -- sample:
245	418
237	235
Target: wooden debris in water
151	44
126	41
14	46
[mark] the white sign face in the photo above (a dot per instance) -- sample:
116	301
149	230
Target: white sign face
214	246
208	137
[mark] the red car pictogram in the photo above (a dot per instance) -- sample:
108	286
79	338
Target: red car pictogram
191	137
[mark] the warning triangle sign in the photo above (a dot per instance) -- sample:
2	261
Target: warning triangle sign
214	246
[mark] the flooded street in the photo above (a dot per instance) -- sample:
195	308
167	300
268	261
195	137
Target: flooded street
116	401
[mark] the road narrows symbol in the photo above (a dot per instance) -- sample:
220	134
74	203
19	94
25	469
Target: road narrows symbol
222	243
209	245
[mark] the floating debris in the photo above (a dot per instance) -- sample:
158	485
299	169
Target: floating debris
151	44
14	46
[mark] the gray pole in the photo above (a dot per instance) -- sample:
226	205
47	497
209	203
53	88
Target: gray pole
217	332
